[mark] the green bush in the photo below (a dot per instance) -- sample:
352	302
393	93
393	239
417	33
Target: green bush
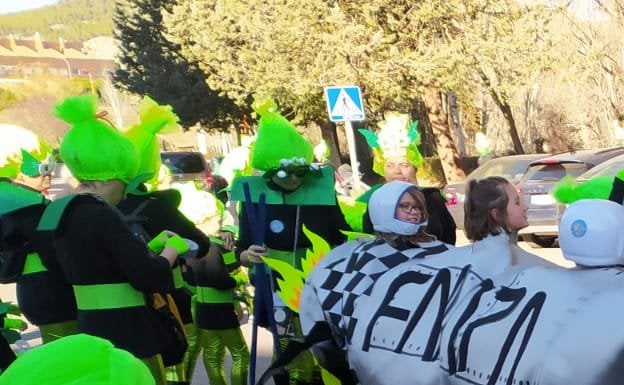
8	98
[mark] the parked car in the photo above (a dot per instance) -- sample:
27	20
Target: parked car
511	167
608	168
187	166
535	187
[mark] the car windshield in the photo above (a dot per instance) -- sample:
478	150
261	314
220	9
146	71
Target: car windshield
554	172
511	169
180	163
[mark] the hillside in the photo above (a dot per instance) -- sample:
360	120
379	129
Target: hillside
70	19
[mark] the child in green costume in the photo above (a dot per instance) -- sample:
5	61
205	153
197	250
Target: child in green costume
110	269
297	193
45	298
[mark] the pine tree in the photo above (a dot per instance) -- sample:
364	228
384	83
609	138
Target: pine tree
149	64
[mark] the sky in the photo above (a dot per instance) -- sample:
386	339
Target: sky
8	6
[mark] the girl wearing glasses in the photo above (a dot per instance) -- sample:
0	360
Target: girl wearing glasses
348	272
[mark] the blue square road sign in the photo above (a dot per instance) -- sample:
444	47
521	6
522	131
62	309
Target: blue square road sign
344	103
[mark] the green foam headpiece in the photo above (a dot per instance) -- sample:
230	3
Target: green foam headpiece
92	148
153	119
21	150
277	140
79	359
397	137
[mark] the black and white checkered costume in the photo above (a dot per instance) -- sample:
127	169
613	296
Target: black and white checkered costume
345	274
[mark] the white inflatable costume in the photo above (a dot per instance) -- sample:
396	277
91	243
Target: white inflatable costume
478	315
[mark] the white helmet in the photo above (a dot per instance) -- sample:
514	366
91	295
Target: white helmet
591	233
382	207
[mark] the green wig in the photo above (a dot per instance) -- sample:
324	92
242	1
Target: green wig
92	149
396	138
153	119
79	359
278	141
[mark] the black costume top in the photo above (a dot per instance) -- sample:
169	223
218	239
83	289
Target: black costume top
95	247
211	274
161	213
281	230
42	293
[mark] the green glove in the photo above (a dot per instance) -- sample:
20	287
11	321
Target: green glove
620	174
178	243
14	323
240	278
157	244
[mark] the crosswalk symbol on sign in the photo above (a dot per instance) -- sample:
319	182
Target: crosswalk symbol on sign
344	103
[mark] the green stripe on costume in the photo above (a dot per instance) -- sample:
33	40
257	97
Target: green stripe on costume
178	280
107	296
212	295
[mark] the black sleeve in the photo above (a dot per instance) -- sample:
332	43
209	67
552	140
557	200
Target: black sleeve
244	231
144	272
440	222
163	215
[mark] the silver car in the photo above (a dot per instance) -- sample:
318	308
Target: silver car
511	167
535	187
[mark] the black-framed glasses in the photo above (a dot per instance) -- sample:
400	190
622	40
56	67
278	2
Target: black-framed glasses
409	208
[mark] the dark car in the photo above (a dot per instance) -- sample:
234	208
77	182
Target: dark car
510	167
187	166
535	187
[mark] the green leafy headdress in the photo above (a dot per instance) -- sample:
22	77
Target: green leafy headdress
92	148
279	149
153	119
23	151
396	138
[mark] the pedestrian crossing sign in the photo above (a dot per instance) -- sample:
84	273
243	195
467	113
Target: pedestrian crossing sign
344	103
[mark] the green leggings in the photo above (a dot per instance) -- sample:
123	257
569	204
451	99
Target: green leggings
182	373
214	343
302	369
155	365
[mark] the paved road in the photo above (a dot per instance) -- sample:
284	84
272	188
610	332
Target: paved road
31	336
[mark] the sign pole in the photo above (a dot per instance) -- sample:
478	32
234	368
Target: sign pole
353	158
344	104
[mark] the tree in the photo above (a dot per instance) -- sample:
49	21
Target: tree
401	53
149	64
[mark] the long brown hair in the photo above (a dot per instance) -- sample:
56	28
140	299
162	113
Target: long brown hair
482	196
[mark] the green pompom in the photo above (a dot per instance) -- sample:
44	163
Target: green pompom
567	190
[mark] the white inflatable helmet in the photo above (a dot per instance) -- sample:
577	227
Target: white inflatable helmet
590	233
382	206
